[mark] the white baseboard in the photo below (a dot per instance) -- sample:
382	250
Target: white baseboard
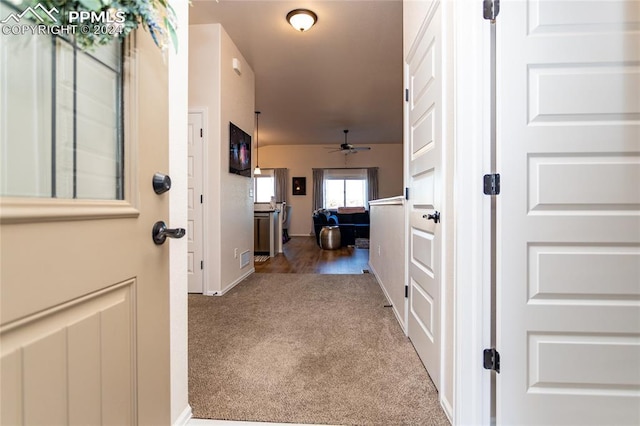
393	307
447	408
232	285
184	418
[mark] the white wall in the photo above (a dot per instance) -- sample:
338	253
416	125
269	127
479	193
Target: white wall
387	251
178	84
238	106
301	159
225	96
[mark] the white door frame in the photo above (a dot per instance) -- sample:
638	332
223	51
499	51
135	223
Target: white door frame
198	176
472	395
178	105
204	112
472	303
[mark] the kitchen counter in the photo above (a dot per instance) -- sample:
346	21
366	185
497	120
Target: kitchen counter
267	230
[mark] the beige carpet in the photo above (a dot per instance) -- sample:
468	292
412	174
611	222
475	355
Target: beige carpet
305	348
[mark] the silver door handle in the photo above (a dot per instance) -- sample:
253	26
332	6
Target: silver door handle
161	232
434	217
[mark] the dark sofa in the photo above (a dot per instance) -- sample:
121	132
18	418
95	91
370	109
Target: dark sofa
352	225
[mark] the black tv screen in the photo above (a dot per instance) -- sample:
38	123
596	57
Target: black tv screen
239	151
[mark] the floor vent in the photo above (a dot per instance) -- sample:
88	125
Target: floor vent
245	258
365	271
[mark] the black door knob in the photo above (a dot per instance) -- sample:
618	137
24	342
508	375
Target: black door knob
435	216
161	183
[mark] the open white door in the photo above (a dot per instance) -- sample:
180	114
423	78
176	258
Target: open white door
84	326
424	163
195	257
569	213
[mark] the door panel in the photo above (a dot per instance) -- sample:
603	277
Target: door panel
424	140
195	233
67	375
568	213
84	323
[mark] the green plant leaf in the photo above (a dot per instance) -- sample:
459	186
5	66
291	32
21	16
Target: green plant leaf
171	13
94	5
172	33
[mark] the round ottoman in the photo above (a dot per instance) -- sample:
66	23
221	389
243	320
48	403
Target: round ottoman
330	237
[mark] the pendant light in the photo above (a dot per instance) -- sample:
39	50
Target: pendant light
257	170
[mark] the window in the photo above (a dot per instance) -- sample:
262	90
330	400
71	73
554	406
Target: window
264	186
345	188
61	118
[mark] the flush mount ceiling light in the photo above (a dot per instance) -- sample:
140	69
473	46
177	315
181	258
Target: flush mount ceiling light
302	19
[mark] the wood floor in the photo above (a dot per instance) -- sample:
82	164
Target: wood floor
303	256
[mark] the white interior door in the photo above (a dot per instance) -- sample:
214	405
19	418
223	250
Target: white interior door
84	323
424	160
195	265
568	212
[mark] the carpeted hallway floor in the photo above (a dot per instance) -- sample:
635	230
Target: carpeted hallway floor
306	348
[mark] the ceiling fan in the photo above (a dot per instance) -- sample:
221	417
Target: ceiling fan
346	148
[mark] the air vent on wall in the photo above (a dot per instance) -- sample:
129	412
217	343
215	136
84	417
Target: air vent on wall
245	258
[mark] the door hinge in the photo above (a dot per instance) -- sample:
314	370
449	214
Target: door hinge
490	9
491	360
406	291
201	198
492	184
406	95
202	264
200	132
406	193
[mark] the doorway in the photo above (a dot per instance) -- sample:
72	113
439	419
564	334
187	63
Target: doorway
195	202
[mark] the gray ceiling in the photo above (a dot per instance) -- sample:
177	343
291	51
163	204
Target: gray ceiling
344	73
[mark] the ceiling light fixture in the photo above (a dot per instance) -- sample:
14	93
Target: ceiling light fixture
257	170
302	19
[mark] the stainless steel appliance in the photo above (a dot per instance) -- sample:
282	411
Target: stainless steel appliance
262	233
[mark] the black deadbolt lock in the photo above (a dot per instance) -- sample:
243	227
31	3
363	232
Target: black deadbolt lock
161	183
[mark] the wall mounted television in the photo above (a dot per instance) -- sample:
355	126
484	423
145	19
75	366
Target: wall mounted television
239	151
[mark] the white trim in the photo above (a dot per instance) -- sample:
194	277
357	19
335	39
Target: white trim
405	180
391	201
184	418
448	208
472	220
447	408
232	285
178	76
424	26
386	295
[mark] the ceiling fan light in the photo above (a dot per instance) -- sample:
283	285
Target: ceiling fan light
302	19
